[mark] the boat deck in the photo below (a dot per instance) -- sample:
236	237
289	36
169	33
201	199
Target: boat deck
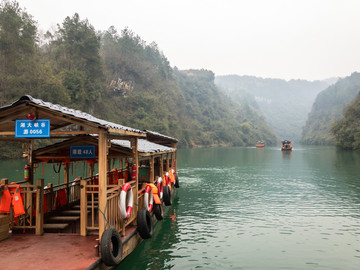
50	251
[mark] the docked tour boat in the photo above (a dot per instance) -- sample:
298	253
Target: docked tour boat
128	179
286	145
260	144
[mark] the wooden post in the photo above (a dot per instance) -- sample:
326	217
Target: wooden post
91	170
161	165
102	157
134	148
167	162
83	208
152	174
39	226
29	150
50	197
66	180
174	145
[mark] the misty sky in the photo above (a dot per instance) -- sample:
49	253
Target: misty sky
302	39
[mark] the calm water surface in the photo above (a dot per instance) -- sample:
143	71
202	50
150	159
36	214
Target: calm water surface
248	208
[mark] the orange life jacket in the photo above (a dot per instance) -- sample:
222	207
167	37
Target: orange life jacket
172	177
15	200
5	201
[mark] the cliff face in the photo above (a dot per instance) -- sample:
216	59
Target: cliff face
329	107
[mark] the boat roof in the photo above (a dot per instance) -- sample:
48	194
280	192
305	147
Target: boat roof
144	146
156	137
61	116
61	150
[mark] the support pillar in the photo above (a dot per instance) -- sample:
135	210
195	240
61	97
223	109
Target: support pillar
102	158
39	225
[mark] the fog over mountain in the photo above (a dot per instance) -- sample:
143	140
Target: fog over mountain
285	104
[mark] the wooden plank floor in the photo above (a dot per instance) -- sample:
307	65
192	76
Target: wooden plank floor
50	251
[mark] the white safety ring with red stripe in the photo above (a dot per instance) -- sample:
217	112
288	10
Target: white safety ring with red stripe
148	198
126	191
160	187
167	179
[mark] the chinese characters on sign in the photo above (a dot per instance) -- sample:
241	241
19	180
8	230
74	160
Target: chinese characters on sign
32	128
82	151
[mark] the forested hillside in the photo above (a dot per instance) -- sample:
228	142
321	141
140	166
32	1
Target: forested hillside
285	104
121	78
347	130
329	107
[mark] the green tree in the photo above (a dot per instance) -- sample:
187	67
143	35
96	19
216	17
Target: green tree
79	62
347	129
17	49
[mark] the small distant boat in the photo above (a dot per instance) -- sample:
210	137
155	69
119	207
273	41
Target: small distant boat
260	144
286	145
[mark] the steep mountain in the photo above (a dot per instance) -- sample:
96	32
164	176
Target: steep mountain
327	108
120	78
285	104
347	130
145	92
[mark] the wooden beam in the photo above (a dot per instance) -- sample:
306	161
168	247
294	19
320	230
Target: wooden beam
152	173
14	115
83	208
39	230
134	148
67	118
14	111
167	162
102	159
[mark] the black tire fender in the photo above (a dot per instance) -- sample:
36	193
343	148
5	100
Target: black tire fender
177	183
145	226
111	247
167	195
158	211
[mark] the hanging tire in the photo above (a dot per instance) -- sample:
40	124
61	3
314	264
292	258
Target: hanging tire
144	224
177	184
111	247
158	211
167	195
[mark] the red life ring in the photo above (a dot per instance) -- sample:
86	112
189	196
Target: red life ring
125	212
160	187
148	198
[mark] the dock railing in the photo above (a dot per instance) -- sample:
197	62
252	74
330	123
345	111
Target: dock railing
33	202
89	192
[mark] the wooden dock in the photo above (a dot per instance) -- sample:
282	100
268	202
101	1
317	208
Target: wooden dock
29	251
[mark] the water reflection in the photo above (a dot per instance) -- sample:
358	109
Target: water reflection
157	252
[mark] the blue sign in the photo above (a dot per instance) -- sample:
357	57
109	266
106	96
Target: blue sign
82	151
32	128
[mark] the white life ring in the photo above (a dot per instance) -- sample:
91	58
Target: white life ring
148	198
125	212
160	187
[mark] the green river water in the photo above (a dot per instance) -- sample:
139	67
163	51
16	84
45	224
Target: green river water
248	208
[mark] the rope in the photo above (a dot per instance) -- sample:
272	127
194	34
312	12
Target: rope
55	169
107	222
